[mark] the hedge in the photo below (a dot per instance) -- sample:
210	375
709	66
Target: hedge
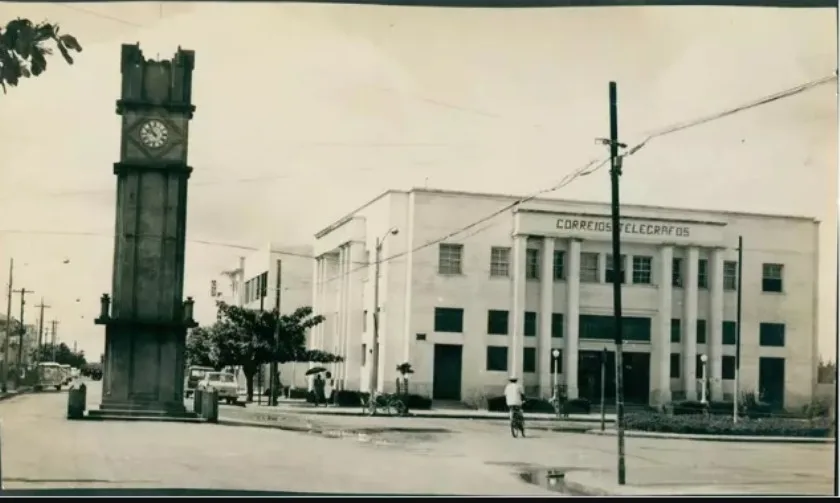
539	405
749	409
721	425
350	398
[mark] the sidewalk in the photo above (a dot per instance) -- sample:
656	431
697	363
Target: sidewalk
718	438
11	392
301	407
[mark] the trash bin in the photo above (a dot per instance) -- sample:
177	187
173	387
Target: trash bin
210	406
76	401
197	400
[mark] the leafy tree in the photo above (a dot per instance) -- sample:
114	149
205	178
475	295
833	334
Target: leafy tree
63	355
200	347
24	47
246	338
826	372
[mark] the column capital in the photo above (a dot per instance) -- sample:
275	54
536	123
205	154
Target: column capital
576	239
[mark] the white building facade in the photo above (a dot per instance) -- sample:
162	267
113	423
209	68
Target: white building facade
272	275
469	310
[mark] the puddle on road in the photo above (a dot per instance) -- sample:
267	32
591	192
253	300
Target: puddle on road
548	478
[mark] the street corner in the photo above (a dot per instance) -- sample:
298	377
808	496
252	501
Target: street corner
605	483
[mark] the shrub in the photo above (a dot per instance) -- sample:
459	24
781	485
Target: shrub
298	393
578	406
751	409
539	405
353	398
721	425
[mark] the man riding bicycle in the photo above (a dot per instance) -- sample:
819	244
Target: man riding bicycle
514	396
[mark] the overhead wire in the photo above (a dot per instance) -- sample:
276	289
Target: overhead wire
585	170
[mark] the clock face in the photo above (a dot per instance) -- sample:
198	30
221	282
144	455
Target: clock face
153	134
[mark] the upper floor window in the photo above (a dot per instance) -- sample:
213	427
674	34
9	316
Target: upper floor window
642	270
589	268
677	272
450	258
771	334
771	277
559	264
449	319
622	266
499	261
532	264
702	273
497	322
730	275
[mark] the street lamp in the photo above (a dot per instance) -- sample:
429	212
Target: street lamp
703	359
375	349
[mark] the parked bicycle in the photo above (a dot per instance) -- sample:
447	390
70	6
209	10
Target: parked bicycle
391	404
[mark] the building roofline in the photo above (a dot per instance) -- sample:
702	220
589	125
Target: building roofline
629	206
346	218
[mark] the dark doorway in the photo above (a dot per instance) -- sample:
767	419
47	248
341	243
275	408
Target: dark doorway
771	381
446	377
636	377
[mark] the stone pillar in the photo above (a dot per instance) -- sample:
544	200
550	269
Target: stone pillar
517	308
715	342
689	325
661	349
337	277
322	295
572	319
145	327
312	343
355	313
544	370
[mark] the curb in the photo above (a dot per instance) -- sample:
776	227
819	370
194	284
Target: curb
11	394
596	487
474	417
718	438
327	430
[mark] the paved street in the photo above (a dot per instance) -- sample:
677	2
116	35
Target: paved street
42	449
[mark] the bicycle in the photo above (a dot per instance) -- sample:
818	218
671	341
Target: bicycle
392	404
517	421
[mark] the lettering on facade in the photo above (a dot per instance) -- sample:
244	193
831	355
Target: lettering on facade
635	228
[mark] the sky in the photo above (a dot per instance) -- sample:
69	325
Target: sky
304	112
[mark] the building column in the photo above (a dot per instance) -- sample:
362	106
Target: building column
572	319
517	308
316	303
715	343
661	368
544	370
353	354
324	309
689	325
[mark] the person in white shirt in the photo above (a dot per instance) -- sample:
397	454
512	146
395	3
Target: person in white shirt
514	394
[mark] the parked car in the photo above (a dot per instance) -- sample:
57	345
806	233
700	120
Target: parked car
224	383
48	374
194	374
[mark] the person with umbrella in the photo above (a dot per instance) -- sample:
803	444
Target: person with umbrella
318	384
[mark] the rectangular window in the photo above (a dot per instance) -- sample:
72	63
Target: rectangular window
603	328
364	321
730	333
263	285
771	277
532	264
730	275
529	360
497	322
530	323
677	272
622	267
676	329
499	262
449	258
727	367
702	273
449	319
364	354
559	265
771	335
589	268
557	325
641	270
497	358
675	365
701	331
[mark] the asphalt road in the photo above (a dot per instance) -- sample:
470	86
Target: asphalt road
42	449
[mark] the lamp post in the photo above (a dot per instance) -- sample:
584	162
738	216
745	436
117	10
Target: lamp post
703	359
374	367
555	354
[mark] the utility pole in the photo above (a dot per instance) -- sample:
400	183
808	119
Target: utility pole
737	389
41	306
272	369
22	292
374	367
618	276
8	327
54	335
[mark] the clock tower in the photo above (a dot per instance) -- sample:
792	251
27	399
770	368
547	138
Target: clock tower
145	317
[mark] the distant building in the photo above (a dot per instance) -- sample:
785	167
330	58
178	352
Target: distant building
271	275
469	310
